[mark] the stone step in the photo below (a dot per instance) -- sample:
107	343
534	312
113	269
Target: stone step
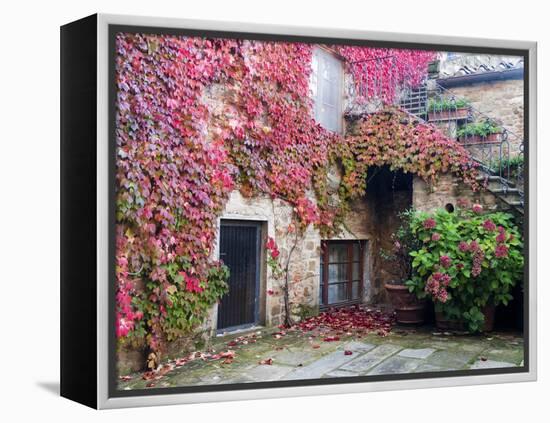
496	181
506	191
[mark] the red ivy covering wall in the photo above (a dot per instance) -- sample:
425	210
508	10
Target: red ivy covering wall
177	163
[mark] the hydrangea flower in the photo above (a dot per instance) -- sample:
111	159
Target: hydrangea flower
489	225
436	285
501	237
463	246
445	261
479	255
429	223
436	237
477	208
501	251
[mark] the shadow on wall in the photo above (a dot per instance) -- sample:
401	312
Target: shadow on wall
389	193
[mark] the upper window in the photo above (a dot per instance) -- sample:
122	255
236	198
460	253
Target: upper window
326	87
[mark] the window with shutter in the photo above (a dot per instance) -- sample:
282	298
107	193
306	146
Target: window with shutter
326	88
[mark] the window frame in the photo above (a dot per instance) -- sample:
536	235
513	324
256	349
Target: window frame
324	266
322	50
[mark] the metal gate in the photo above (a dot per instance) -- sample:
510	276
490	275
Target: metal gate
240	251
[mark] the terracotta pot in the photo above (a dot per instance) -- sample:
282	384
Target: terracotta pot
408	308
454	324
439	115
476	139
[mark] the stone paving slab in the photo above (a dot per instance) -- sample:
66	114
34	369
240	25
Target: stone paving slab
358	346
514	355
416	353
454	360
367	361
318	368
294	357
340	373
395	365
425	368
264	372
491	364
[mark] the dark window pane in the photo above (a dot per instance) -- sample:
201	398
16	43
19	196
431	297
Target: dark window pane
337	293
337	272
337	253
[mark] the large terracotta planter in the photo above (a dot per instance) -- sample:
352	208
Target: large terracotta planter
456	114
408	308
454	324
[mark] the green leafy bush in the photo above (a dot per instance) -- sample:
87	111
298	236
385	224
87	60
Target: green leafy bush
467	259
188	301
403	242
509	166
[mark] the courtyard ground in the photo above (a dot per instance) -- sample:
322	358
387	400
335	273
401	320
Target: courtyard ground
274	354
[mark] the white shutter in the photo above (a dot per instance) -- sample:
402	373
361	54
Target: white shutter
327	90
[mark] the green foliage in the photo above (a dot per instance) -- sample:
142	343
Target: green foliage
304	311
481	129
509	165
186	308
403	242
466	260
447	104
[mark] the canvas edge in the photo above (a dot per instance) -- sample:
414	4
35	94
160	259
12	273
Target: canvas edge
103	399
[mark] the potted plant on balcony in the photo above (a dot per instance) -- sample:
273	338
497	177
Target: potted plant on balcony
477	132
509	168
445	108
467	263
408	308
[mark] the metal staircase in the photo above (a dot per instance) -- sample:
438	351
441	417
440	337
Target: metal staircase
499	155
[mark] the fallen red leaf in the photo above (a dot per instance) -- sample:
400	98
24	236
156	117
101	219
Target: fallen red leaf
331	338
267	361
349	321
348	352
125	378
227	354
148	375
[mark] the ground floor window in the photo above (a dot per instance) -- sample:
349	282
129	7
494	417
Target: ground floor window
342	268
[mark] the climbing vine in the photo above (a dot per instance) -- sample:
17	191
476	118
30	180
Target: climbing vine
179	156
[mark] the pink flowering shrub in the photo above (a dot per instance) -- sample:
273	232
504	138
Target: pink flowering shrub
466	260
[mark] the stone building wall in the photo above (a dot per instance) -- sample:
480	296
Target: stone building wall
304	267
502	100
448	190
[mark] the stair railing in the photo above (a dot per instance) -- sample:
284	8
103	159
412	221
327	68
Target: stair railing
497	149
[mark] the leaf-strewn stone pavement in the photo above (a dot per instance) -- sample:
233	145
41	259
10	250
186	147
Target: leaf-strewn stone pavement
272	354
